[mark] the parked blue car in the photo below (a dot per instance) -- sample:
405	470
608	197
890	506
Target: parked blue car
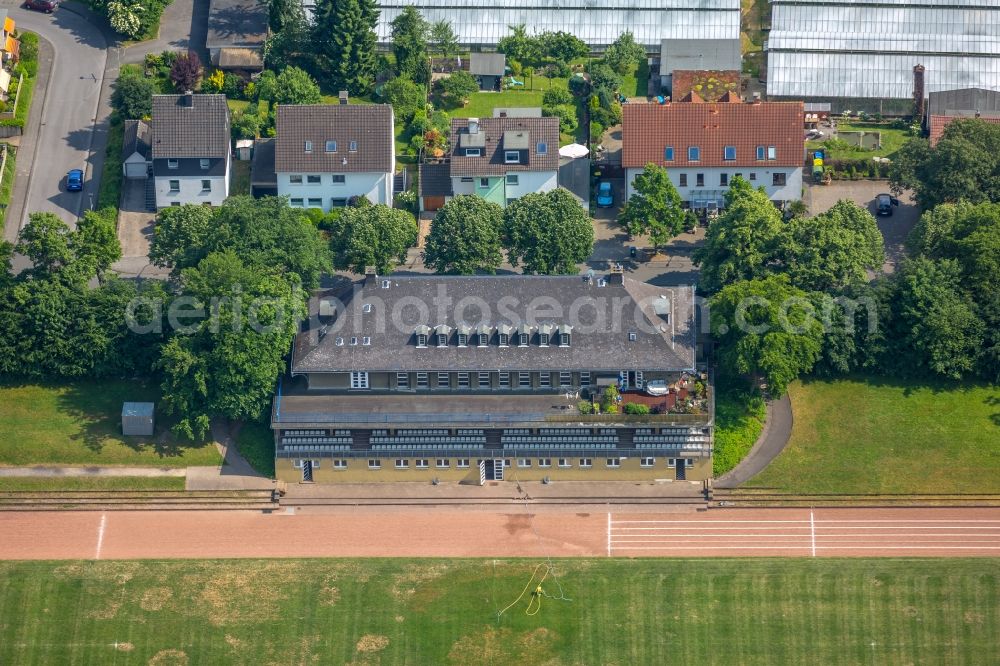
74	180
605	198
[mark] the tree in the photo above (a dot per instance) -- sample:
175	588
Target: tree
96	240
519	46
444	38
602	77
405	96
229	361
654	207
549	232
457	87
465	237
965	164
186	71
281	12
832	250
766	329
288	44
931	328
624	53
124	18
409	44
743	242
344	43
562	46
181	236
133	96
377	236
294	86
45	240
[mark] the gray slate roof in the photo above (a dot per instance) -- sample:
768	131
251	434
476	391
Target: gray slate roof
262	163
236	23
435	180
201	130
699	54
370	125
963	102
511	300
487	64
525	131
135	139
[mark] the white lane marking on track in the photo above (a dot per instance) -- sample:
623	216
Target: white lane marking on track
609	534
812	532
879	549
800	522
100	535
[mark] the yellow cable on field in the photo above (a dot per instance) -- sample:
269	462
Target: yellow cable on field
536	596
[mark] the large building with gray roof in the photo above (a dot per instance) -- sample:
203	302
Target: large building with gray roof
407	378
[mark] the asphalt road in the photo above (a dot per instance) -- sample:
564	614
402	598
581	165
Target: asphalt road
67	111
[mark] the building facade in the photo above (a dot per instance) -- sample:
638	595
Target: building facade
326	154
190	149
468	379
705	145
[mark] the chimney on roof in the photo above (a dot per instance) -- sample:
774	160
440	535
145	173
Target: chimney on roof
188	99
342	97
473	125
371	276
756	98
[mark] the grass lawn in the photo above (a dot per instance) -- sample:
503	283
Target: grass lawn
237	105
856	436
7	184
255	442
728	611
739	420
109	193
634	83
892	139
93	483
79	423
481	104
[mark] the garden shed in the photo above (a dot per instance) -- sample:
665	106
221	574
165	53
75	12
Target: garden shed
138	418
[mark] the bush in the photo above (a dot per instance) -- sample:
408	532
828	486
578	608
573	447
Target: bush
557	96
585	407
566	114
636	408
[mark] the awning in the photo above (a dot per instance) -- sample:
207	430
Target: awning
8	25
707	198
12	46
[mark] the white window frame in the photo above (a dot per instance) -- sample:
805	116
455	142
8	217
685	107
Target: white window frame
647	462
423	380
524	462
314	179
331	146
564	339
541	148
520	380
544	380
565	378
173	164
446	376
639	377
516	157
206	184
772	153
421	463
442	339
484	183
613	463
483	339
295	179
307	146
314	202
204	163
402	463
725	153
586	463
353	147
503	339
696	152
374	463
421	340
296	202
522	339
462	463
513	180
671	462
543	339
484	380
359	379
174	188
339	464
403	380
338	179
504	380
463	339
473	152
564	463
545	462
464	380
761	153
585	378
442	463
338	202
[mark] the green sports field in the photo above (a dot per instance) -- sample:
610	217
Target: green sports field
761	611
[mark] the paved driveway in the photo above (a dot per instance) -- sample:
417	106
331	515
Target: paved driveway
67	113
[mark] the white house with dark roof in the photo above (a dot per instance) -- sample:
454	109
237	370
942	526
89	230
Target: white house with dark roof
189	146
326	154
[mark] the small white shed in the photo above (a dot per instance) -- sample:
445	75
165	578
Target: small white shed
137	418
135	149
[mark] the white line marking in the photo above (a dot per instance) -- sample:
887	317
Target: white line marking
877	549
100	535
711	521
812	532
609	534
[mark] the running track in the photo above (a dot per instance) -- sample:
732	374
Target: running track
508	532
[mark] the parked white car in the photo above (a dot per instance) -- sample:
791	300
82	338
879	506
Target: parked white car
656	387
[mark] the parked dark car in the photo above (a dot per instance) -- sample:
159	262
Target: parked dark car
884	204
47	6
74	180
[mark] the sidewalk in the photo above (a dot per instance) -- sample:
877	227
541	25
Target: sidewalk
51	470
772	441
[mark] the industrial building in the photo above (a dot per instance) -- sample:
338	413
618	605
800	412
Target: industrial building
863	55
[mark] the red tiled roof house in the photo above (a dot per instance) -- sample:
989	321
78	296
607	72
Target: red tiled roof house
705	145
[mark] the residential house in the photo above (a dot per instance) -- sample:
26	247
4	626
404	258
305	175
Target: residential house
324	154
501	159
687	54
705	145
11	47
135	149
488	68
390	387
190	149
948	105
237	30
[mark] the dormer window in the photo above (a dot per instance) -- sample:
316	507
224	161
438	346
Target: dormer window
484	339
367	307
172	164
354	342
694	153
729	153
308	146
504	339
543	339
366	341
421	340
668	154
564	339
442	340
354	147
463	339
422	332
632	336
512	156
339	342
473	152
331	146
522	340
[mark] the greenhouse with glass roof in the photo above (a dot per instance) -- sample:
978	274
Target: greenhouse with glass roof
482	23
861	54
